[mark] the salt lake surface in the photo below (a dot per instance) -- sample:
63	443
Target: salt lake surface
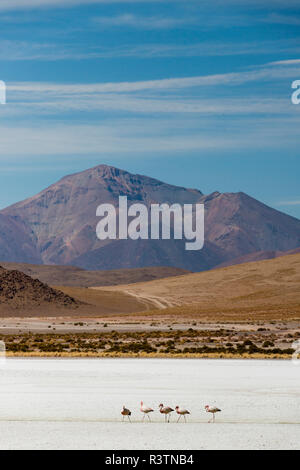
76	403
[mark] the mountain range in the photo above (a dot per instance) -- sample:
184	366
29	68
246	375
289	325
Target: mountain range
58	225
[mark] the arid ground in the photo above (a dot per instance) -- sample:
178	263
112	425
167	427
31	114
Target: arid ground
251	309
264	290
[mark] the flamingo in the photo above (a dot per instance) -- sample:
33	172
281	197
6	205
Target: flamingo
125	412
146	410
212	410
166	410
181	412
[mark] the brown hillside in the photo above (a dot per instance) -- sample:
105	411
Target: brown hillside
17	291
23	296
257	256
76	277
258	290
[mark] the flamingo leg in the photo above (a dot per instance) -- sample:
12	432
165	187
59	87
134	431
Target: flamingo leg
143	418
184	418
149	418
129	418
178	418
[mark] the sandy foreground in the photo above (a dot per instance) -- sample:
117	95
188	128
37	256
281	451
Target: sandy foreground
75	404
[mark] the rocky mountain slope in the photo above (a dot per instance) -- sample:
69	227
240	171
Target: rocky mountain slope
17	241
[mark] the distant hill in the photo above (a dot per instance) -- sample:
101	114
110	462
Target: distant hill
58	225
263	290
19	291
77	277
23	296
248	292
258	256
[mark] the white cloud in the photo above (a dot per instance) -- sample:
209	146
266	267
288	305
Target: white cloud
282	19
141	22
39	104
174	96
234	78
286	62
289	203
23	50
13	50
97	139
33	132
134	137
31	4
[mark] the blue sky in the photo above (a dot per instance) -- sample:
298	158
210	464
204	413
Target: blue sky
196	93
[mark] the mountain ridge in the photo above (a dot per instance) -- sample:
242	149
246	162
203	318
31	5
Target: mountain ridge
58	225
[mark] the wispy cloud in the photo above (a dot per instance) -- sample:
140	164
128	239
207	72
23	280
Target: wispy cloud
250	126
289	203
203	49
31	4
99	139
143	105
133	137
266	73
23	50
6	5
141	22
286	62
13	50
190	95
276	18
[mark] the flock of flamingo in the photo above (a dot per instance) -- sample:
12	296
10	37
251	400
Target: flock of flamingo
167	410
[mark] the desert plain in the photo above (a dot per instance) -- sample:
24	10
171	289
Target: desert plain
246	310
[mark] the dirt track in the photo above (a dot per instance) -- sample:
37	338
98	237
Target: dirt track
151	301
259	290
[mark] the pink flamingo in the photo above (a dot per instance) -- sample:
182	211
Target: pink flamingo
181	412
212	410
166	410
125	412
146	410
